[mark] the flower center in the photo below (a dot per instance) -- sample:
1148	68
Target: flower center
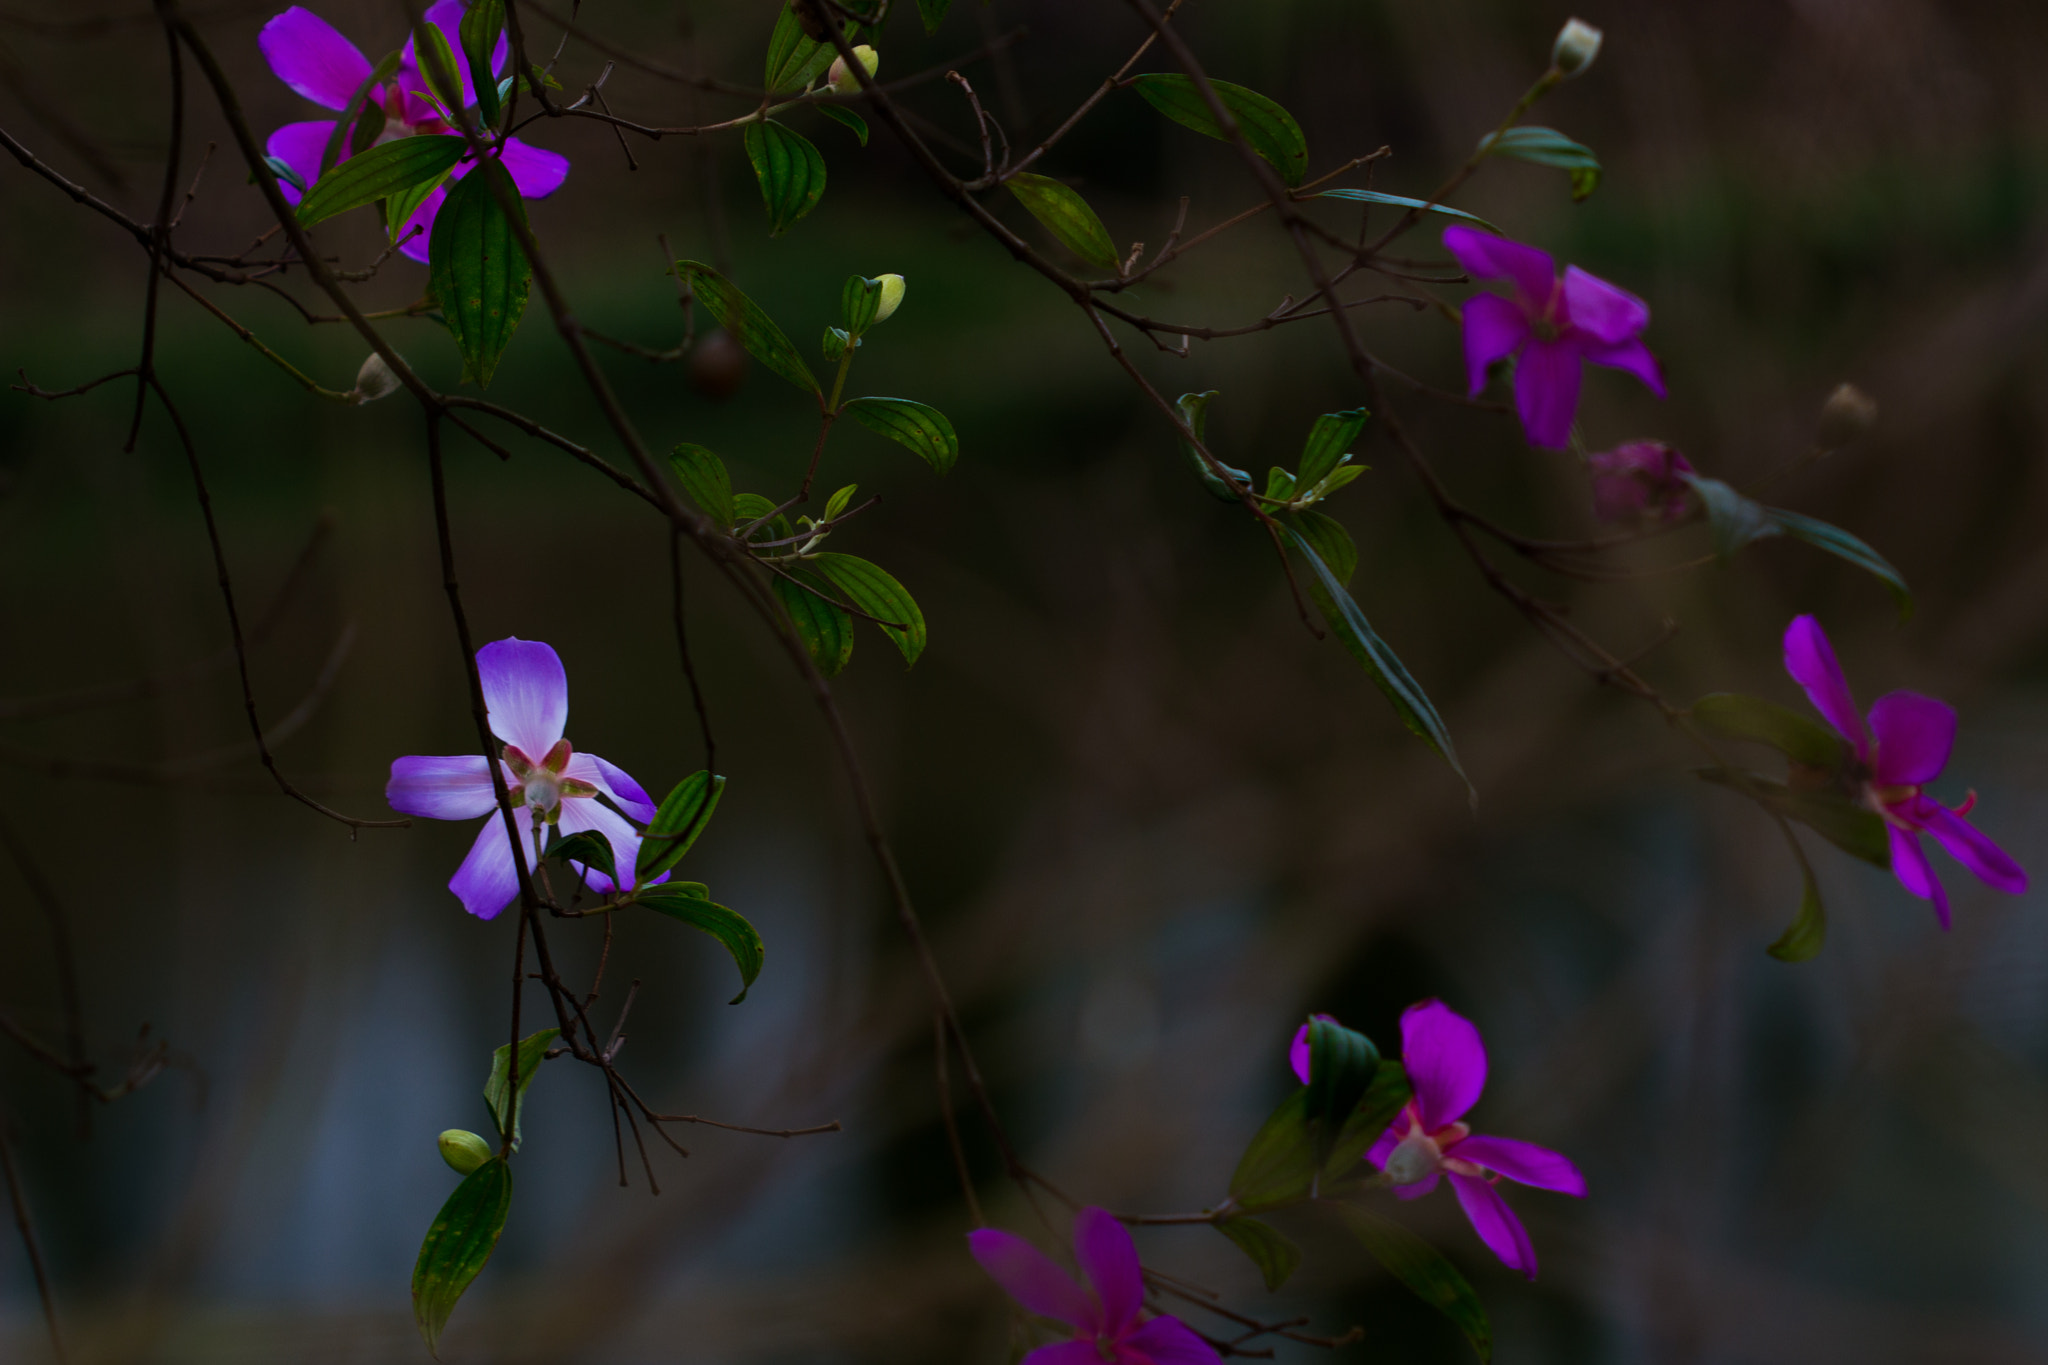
542	786
1417	1158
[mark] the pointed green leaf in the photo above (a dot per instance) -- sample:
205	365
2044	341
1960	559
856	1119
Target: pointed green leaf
1067	216
481	25
1734	519
729	927
1194	410
871	588
836	504
918	427
532	1051
1848	825
791	172
1342	1063
282	169
705	478
860	298
1270	130
476	267
464	1234
1402	201
1279	484
681	817
588	847
747	323
383	170
1383	1099
827	631
933	12
1336	479
437	65
1842	545
795	59
1327	444
400	207
1730	715
1548	147
360	114
1424	1269
1278	1168
839	113
1808	932
1269	1248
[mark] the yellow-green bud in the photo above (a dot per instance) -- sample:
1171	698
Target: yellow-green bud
1578	43
375	380
1848	413
464	1150
892	295
842	79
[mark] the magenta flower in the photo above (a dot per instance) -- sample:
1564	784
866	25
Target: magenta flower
1446	1065
1904	746
1639	480
309	55
1553	324
1105	1315
526	697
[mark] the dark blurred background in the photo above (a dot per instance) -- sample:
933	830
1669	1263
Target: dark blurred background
1151	821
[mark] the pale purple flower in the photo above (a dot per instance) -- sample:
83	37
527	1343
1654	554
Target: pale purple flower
1554	324
1902	747
1639	480
526	696
310	56
1446	1064
1104	1316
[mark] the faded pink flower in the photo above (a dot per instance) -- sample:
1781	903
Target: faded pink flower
1639	480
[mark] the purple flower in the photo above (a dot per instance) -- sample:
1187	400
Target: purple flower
1554	325
309	55
526	696
1446	1065
1638	481
1105	1315
1904	745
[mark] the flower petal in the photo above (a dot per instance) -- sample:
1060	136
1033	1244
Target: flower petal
310	55
1416	1189
1107	1256
1494	328
1487	257
1547	392
487	879
1496	1223
1522	1161
582	813
300	146
526	693
1607	313
1169	1341
1065	1353
1446	1062
422	218
1915	873
536	171
1027	1276
451	787
1383	1146
614	782
1914	736
1969	846
1810	659
1633	357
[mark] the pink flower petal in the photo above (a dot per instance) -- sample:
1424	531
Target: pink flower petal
1169	1341
1969	846
1446	1062
1914	736
300	146
1547	392
1418	1188
1522	1161
1107	1256
1027	1276
1496	1224
536	171
487	879
1494	329
1915	873
614	782
1635	358
1487	257
455	787
526	693
1608	314
310	56
1810	659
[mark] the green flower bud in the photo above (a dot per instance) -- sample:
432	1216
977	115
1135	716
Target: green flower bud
1848	414
1578	43
375	380
892	295
842	79
464	1150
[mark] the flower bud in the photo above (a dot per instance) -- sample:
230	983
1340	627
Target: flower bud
1578	43
892	296
375	380
842	79
1848	414
464	1150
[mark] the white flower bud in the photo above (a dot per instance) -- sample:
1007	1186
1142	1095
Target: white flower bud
464	1150
1848	414
842	79
1578	43
892	295
375	380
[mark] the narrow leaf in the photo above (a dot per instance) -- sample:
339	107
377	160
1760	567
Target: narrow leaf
729	927
476	267
587	848
464	1234
1808	932
1425	1270
1327	442
400	207
839	113
1402	201
747	323
1270	130
791	172
1279	1166
532	1050
1730	715
355	113
681	817
933	12
1548	147
795	59
1194	410
1842	545
1269	1248
871	588
918	427
481	25
705	478
1848	825
1067	216
827	632
383	170
1734	519
437	64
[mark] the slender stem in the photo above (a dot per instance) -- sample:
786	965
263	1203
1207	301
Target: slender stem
29	1242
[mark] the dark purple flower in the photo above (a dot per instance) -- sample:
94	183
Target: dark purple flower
526	696
1901	748
1446	1064
1639	480
1104	1316
1553	324
309	55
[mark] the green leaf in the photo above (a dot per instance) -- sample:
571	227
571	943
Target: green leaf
476	267
359	113
748	508
1067	216
1734	519
839	113
1730	715
481	25
1279	484
1270	130
1842	545
1194	410
1402	201
729	927
1269	1249
1325	448
827	632
749	325
532	1051
1336	479
588	847
400	207
1848	825
282	169
794	58
437	65
918	427
1382	665
384	170
1341	1065
369	129
933	12
1548	147
836	504
1425	1270
871	588
681	817
1279	1166
464	1234
705	478
859	300
1808	932
791	172
1383	1099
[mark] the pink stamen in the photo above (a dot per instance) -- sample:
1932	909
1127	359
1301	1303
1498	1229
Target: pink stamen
1969	802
